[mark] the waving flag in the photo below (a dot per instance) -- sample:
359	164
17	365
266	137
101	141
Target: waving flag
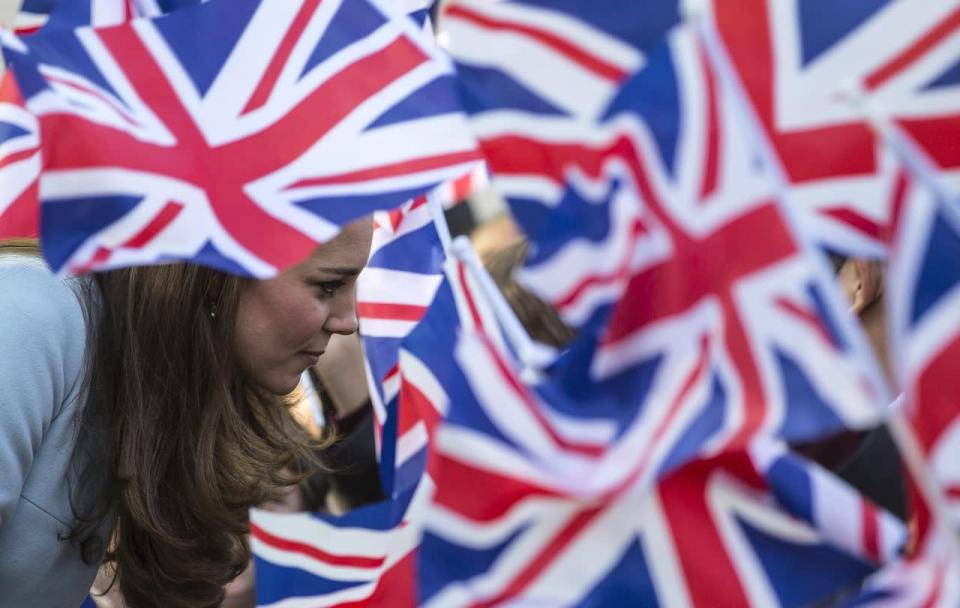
291	121
70	14
924	315
509	523
818	73
547	58
32	15
705	322
417	396
932	583
532	73
363	558
19	165
393	294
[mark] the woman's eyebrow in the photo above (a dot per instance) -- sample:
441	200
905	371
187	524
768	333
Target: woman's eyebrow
341	270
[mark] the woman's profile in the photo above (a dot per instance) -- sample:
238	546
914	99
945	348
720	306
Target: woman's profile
142	413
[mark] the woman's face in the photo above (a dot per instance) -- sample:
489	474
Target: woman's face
283	324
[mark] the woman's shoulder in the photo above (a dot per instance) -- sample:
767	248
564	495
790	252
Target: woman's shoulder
30	289
40	313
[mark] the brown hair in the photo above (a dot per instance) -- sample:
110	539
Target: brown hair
539	319
174	444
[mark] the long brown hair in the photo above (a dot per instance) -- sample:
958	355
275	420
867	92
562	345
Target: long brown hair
174	444
539	319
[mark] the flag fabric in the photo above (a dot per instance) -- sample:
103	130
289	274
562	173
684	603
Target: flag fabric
70	14
339	109
704	321
418	400
931	583
394	291
419	11
923	315
529	73
363	558
53	14
923	287
819	73
32	15
19	165
509	522
20	216
563	58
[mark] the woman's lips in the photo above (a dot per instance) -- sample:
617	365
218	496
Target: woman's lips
311	356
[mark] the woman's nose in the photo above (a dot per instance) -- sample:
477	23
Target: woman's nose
343	316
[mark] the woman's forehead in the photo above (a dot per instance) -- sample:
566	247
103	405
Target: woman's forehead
348	250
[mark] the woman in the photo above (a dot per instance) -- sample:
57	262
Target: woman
146	406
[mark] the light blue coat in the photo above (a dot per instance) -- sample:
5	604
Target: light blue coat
42	345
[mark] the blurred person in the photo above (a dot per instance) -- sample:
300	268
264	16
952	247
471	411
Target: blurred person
867	460
541	321
495	234
143	411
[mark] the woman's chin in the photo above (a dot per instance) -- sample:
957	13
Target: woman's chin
282	385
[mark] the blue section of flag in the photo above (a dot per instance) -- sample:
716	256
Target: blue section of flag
67	223
940	271
203	57
808	414
795	586
439	91
353	21
948	78
823	23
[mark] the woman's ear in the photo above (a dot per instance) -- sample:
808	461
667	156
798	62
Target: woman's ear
862	281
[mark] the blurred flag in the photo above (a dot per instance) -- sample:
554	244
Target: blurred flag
426	367
76	13
70	14
531	73
19	165
509	523
393	294
342	110
560	59
817	74
32	15
930	583
704	322
923	309
363	558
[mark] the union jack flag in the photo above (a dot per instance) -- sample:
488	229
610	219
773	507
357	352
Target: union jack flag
530	70
510	523
564	58
35	14
19	165
928	582
363	558
426	366
705	321
393	294
291	121
32	15
924	315
70	14
818	73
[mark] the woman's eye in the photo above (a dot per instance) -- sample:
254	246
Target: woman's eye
328	288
